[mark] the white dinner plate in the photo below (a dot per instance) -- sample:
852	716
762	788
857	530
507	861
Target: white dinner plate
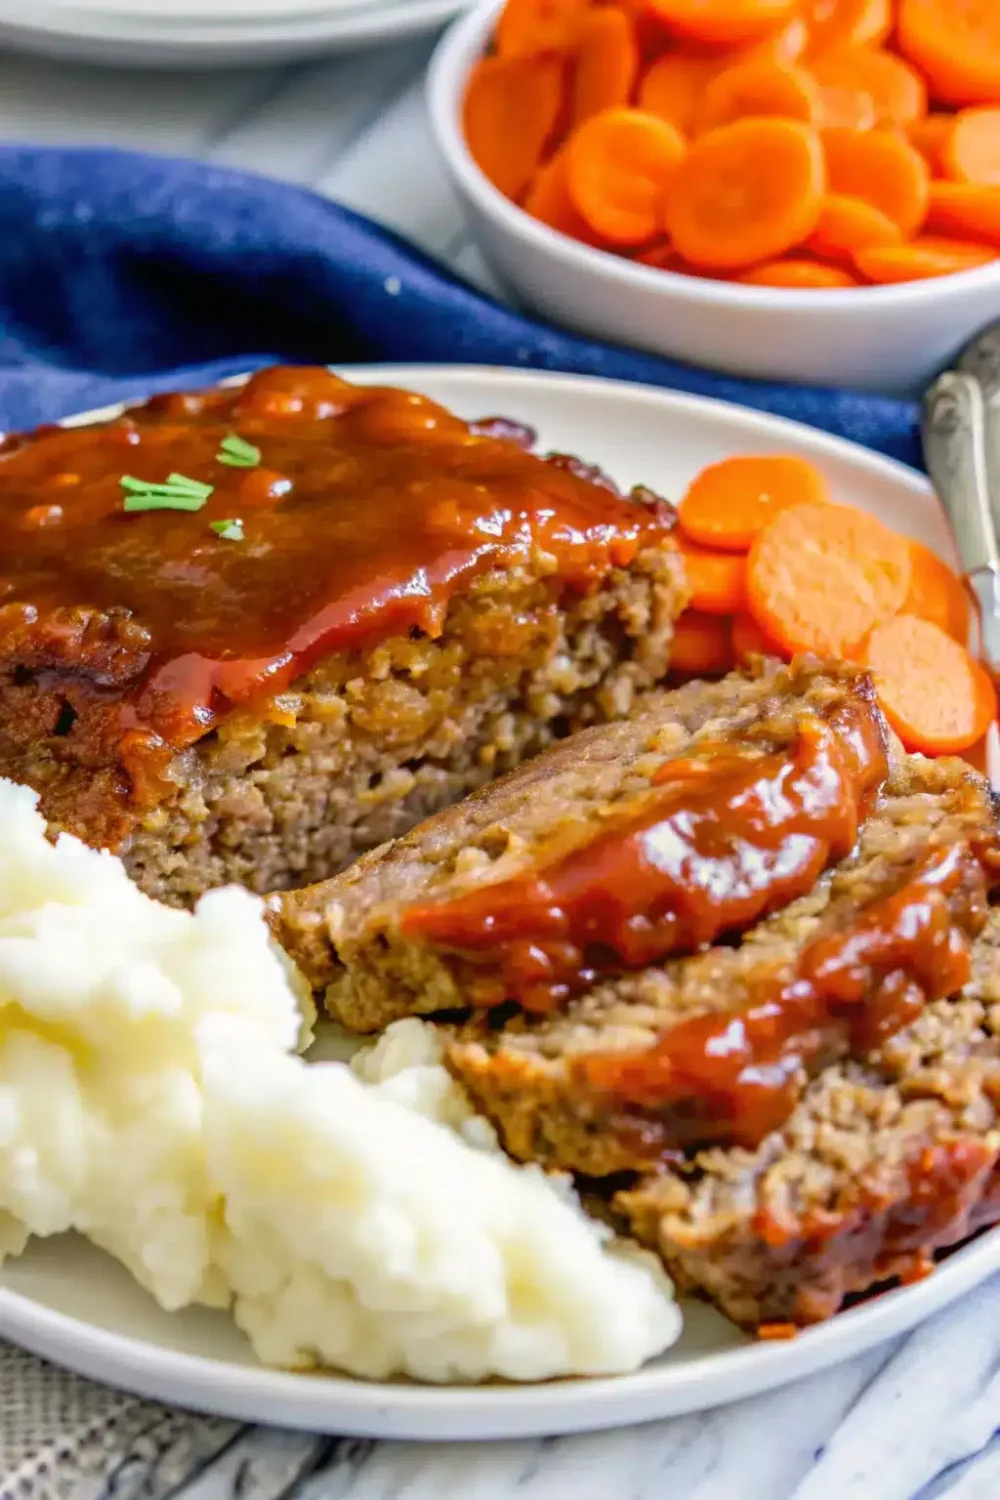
71	1303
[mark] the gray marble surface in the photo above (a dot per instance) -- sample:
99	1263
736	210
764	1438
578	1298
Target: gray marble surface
914	1420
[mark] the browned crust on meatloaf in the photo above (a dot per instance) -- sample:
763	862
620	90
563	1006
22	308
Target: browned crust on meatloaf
527	1077
882	1163
292	789
346	935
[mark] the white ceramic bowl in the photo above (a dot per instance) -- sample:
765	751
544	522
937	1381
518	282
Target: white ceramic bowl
891	338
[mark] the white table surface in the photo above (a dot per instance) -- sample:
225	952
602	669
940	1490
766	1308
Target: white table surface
912	1421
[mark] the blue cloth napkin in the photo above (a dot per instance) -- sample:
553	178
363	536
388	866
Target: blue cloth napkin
123	274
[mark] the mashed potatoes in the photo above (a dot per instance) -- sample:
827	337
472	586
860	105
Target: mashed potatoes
151	1098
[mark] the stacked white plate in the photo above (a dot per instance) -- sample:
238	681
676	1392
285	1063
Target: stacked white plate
211	33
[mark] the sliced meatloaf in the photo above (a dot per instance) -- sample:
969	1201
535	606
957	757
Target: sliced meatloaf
718	1047
247	634
884	1161
715	804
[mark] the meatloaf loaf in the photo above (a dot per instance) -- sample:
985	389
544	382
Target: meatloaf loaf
715	804
247	634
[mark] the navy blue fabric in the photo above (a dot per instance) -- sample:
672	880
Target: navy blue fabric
123	274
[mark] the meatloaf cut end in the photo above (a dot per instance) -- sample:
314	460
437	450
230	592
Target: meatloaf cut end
248	634
368	938
649	1065
883	1163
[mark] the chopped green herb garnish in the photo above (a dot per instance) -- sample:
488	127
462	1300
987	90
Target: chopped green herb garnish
237	452
176	492
230	531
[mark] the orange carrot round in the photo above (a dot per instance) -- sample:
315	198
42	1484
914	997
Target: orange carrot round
935	696
747	639
532	28
701	645
619	165
548	200
716	579
956	45
724	22
820	577
881	169
936	594
921	259
929	135
896	91
842	23
799	274
785	43
848	224
746	193
510	112
964	210
674	86
729	503
607	63
762	86
971	152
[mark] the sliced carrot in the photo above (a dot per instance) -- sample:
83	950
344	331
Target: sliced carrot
896	91
762	86
746	193
842	23
971	152
511	108
747	639
548	200
956	45
607	63
922	258
966	211
799	274
935	696
724	22
531	28
619	164
700	647
936	594
786	43
674	86
729	503
820	577
716	579
882	169
848	224
928	136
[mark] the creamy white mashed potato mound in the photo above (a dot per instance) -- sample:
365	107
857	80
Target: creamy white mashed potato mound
366	1235
362	1217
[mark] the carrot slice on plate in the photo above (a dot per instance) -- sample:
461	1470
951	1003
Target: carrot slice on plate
511	108
716	579
956	45
548	200
848	224
965	210
747	639
971	152
799	274
607	63
701	645
762	86
619	165
674	86
842	23
820	577
922	258
746	193
935	696
531	28
729	503
928	136
936	594
896	91
724	22
881	169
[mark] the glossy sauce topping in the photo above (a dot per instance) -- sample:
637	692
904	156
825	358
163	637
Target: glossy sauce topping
739	1069
725	836
363	512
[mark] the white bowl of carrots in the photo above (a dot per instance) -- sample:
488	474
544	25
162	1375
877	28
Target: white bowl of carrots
803	190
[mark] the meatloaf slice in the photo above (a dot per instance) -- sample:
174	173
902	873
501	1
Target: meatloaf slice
883	1162
247	634
717	1047
714	804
